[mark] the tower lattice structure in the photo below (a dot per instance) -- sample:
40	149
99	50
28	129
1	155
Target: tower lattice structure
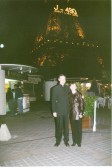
63	44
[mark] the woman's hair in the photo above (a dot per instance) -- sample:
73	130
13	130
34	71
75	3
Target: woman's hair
72	83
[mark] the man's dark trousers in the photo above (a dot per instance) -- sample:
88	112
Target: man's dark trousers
62	127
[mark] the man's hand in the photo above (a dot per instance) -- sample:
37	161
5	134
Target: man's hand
54	114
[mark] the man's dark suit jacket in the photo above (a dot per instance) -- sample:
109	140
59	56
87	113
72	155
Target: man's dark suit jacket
60	99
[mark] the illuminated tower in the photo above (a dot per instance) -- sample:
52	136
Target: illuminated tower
63	46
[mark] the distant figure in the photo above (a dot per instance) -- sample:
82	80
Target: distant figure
15	101
19	98
76	114
60	108
10	100
101	94
94	87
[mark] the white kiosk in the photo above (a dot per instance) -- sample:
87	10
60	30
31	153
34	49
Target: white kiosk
47	87
4	131
11	71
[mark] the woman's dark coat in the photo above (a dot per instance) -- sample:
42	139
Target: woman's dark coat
76	104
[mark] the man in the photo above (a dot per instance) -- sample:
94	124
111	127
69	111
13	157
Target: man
19	98
60	108
10	100
94	87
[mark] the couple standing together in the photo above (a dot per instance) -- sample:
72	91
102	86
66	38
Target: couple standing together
67	104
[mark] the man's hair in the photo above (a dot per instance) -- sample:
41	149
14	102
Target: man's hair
16	85
61	75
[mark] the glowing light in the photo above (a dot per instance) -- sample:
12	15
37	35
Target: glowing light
88	85
30	71
67	11
1	45
21	68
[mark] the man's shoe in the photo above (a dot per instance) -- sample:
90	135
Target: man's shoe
67	144
79	145
56	144
73	144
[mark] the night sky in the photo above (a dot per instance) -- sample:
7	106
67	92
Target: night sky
22	20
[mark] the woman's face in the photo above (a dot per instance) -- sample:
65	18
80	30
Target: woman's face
73	87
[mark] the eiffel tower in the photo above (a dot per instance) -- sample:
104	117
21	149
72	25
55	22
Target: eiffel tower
63	46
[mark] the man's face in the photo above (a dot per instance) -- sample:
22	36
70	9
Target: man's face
62	80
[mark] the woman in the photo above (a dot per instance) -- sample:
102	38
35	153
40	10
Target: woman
76	114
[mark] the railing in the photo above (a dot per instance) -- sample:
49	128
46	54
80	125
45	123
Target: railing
101	102
104	102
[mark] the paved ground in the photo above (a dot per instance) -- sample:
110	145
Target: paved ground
32	142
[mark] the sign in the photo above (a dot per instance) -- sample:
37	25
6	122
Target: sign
34	79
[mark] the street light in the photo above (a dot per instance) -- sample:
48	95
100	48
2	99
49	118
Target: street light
1	45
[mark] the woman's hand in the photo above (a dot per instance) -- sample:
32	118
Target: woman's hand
54	114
